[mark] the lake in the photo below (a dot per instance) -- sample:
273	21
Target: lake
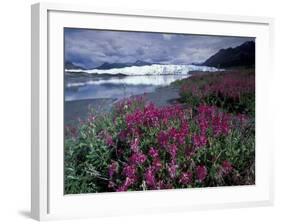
83	86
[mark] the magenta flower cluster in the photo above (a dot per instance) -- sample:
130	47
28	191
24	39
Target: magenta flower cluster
232	85
159	146
201	173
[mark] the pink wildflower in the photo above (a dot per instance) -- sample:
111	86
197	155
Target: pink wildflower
150	178
135	145
199	140
201	173
185	178
162	138
129	171
226	167
112	169
128	182
153	152
172	168
156	164
138	158
172	149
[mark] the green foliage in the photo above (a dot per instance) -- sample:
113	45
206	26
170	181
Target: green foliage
87	158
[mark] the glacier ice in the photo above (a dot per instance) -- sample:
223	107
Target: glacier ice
154	69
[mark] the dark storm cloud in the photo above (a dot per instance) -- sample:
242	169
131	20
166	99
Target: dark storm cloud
91	48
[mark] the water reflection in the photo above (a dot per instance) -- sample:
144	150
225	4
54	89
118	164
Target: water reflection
78	87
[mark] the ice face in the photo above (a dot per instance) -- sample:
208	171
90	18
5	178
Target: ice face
155	69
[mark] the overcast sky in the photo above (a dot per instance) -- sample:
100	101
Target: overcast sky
91	48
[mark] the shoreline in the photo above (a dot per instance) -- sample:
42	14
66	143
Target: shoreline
79	109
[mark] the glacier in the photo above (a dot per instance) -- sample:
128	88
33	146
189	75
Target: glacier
153	80
154	69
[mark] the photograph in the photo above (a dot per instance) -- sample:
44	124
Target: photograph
157	111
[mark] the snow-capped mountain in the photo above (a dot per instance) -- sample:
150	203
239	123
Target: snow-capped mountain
154	69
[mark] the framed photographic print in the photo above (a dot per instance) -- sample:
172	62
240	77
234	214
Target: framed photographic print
148	111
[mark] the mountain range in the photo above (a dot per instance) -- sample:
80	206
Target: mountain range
107	65
243	55
70	65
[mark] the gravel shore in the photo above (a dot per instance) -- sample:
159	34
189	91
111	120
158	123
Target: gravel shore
162	96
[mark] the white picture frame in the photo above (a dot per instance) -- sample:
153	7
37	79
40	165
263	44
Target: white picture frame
47	198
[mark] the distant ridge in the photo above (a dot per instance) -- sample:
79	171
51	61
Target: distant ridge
243	55
70	65
141	63
107	65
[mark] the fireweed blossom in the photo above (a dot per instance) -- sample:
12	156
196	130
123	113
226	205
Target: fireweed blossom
153	152
138	158
171	139
156	164
186	178
159	146
130	171
135	145
201	173
231	86
200	140
163	138
226	167
172	168
172	149
220	125
211	118
128	182
150	177
178	135
112	169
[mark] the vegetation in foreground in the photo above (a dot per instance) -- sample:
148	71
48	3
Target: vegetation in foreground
207	140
